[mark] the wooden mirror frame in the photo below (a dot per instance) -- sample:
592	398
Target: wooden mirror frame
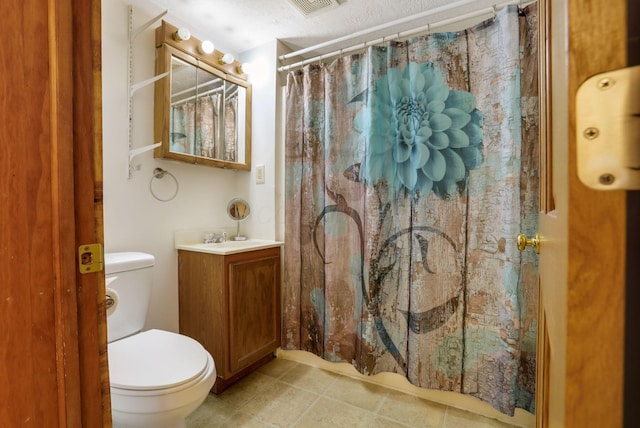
187	50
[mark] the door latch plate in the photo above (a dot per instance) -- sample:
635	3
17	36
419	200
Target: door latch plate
608	130
90	258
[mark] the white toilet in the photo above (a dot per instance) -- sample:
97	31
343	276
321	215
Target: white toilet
157	377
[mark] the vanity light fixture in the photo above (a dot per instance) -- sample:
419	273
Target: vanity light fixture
181	34
206	47
226	59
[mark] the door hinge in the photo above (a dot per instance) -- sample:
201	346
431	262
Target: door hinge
90	258
608	130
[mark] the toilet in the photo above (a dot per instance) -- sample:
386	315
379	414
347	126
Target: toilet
157	377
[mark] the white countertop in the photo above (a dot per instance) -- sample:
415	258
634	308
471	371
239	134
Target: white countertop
230	247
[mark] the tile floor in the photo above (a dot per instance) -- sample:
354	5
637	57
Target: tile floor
285	393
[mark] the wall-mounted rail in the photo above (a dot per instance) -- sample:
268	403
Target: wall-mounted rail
132	88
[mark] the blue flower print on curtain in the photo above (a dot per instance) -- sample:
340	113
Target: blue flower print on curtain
423	135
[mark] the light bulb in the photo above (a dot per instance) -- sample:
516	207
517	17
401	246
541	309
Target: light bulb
226	59
181	35
245	68
206	47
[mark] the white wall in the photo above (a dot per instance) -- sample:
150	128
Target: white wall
133	219
263	124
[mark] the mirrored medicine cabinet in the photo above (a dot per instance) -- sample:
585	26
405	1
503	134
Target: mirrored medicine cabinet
203	107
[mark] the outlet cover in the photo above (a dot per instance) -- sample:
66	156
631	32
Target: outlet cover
260	174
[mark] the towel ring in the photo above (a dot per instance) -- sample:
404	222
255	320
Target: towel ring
160	173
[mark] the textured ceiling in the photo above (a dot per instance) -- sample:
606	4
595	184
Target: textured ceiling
239	25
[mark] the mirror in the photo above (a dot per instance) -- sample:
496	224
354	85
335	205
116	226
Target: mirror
238	209
202	108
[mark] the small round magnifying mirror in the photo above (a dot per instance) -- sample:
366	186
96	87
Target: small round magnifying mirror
238	209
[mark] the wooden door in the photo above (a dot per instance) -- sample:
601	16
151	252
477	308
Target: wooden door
52	335
582	260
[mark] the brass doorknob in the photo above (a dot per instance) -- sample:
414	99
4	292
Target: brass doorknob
524	242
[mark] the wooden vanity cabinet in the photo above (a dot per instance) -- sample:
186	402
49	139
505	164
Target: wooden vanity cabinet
231	305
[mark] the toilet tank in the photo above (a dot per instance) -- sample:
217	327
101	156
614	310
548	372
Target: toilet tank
128	282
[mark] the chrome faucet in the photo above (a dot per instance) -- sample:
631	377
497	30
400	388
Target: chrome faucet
214	237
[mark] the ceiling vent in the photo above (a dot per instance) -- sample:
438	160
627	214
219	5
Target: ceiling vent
310	7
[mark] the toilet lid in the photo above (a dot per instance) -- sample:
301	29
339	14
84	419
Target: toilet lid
155	359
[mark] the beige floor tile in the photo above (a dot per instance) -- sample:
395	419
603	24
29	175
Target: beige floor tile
382	422
309	378
277	367
358	393
412	411
245	421
460	419
285	393
212	413
335	414
281	405
242	392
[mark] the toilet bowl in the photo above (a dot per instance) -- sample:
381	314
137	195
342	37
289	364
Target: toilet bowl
157	378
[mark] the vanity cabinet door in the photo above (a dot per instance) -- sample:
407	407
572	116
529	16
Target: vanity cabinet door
254	308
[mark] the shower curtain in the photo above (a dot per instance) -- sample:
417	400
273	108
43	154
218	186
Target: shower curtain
195	126
410	170
231	128
202	128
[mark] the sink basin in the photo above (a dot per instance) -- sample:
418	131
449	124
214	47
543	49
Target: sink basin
230	247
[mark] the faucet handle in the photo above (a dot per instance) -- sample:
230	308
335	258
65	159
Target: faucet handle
214	237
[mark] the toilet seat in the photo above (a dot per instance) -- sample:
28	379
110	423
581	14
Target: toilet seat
156	360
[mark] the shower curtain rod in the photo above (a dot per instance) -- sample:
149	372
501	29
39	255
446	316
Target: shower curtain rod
228	95
425	28
193	97
193	88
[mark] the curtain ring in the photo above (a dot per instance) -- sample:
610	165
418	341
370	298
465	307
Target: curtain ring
321	61
160	173
493	8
